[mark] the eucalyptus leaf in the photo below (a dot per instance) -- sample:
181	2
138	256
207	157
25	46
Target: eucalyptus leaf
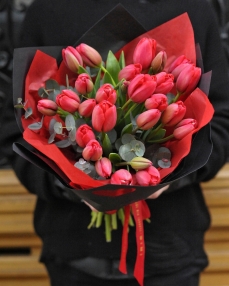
164	163
72	135
138	147
51	125
58	128
42	92
51	84
118	143
28	112
127	138
70	122
63	143
112	134
51	138
126	152
35	126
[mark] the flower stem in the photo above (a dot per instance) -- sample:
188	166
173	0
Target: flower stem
161	140
107	218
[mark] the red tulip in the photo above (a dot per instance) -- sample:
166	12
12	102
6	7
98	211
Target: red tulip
121	177
72	58
103	167
148	177
68	100
165	82
86	107
47	107
84	84
89	55
141	87
173	114
104	116
83	135
158	101
177	62
93	151
188	79
106	92
130	71
184	127
145	52
148	119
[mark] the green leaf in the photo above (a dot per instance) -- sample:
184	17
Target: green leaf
122	60
82	70
156	135
96	84
106	145
112	66
115	158
127	129
51	84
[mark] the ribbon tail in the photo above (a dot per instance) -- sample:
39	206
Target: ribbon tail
122	263
139	264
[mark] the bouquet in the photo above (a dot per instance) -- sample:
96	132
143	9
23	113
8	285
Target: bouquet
116	129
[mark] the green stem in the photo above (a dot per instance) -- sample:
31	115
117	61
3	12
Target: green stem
126	104
93	219
108	227
99	219
161	140
106	71
176	97
131	109
114	221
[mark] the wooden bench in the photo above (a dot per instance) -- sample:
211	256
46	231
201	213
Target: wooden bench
20	247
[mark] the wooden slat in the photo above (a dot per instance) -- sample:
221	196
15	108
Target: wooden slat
37	281
214	279
218	234
218	254
17	203
19	240
217	197
219	216
9	184
16	223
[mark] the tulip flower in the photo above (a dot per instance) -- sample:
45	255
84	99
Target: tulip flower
141	87
47	107
140	163
159	62
130	71
122	177
148	177
173	114
188	79
72	58
158	101
89	55
84	84
184	127
68	100
106	92
165	82
148	119
83	135
93	151
145	52
103	167
86	107
177	62
104	116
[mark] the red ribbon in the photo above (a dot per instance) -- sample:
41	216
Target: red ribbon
140	212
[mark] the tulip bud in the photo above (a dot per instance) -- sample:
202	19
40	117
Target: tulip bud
106	92
47	107
83	135
141	87
103	167
188	79
145	52
165	82
68	100
184	127
84	84
148	177
173	114
121	177
93	151
157	101
86	107
148	119
159	62
72	58
140	163
89	55
104	116
130	71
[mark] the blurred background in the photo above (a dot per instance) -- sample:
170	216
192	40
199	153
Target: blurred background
19	245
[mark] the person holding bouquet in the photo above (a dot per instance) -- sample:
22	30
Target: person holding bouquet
75	255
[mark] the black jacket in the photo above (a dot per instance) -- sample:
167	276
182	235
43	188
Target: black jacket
179	218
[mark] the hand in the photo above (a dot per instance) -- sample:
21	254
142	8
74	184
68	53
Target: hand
158	193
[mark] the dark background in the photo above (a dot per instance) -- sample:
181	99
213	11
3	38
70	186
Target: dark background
12	13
